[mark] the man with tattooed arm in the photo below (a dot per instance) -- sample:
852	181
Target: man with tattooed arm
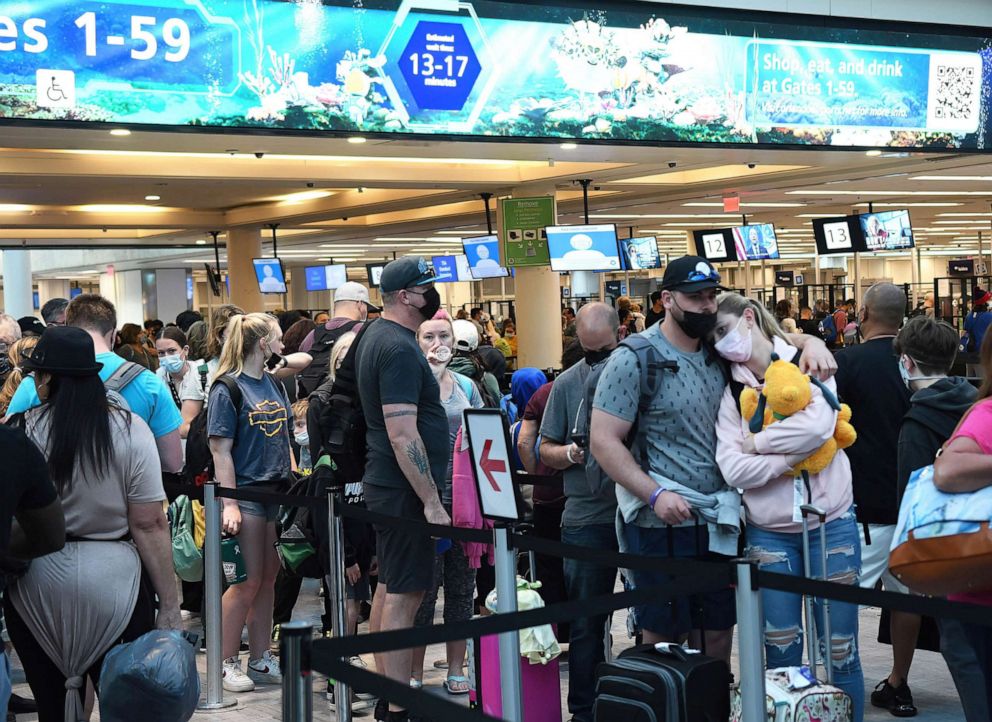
407	452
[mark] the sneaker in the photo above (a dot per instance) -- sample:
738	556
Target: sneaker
898	700
234	679
265	670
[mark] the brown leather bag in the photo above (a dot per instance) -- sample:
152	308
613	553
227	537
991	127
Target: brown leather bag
949	564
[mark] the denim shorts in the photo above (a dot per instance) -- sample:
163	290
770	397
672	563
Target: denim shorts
710	611
257	508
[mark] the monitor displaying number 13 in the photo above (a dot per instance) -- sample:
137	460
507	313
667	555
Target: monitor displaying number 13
838	236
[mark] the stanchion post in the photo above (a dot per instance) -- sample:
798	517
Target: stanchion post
751	641
212	574
509	642
297	681
336	588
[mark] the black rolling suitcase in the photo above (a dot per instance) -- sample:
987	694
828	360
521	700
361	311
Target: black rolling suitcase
644	684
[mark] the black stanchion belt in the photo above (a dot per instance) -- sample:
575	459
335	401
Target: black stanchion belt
915	604
417	700
418	526
326	649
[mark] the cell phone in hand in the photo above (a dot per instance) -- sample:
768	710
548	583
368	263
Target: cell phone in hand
580	440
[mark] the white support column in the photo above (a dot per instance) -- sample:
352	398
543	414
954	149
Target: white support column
49	289
170	294
17	300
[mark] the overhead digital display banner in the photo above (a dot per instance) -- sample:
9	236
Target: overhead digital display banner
636	72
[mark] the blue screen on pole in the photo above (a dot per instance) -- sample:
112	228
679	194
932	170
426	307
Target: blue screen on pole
583	248
484	258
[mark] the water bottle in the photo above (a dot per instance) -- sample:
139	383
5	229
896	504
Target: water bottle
232	562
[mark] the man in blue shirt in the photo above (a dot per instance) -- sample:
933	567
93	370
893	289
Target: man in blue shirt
147	395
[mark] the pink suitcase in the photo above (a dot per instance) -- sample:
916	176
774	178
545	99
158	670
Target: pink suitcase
541	686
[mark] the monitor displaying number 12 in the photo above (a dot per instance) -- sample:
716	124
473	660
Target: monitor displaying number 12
716	245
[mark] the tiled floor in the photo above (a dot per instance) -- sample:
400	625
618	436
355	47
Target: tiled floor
931	683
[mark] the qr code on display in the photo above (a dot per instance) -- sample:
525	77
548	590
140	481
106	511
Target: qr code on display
956	86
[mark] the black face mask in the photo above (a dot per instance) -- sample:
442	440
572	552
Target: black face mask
432	303
595	357
696	325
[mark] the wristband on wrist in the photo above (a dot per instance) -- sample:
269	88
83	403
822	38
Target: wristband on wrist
653	499
568	455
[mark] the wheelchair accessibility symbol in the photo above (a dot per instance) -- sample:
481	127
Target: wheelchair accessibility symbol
55	88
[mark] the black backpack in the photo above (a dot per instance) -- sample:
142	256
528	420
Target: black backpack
303	540
335	419
323	343
199	460
651	364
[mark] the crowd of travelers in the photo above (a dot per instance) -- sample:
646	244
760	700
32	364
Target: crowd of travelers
98	415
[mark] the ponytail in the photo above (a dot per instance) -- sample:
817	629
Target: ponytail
243	333
16	357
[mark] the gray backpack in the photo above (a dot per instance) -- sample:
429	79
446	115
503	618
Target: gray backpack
650	363
125	374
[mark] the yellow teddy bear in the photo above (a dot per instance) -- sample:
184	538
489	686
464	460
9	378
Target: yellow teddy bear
787	390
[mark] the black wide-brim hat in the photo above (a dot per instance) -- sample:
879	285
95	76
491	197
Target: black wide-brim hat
64	350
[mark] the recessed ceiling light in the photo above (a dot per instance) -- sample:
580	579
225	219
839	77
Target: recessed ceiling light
120	132
569	146
153	198
356	139
201	242
873	153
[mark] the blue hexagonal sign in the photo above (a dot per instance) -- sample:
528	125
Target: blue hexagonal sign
440	66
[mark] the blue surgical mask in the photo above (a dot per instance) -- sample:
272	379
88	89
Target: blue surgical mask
173	364
303	439
906	378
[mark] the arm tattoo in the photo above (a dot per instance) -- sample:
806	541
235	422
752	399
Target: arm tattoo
394	414
418	456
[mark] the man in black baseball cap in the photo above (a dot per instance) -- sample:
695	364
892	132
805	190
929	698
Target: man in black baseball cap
407	451
677	435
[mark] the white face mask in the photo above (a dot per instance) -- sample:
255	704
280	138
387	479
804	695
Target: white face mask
735	346
907	379
302	438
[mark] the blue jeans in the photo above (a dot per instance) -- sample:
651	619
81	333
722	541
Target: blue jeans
784	639
582	581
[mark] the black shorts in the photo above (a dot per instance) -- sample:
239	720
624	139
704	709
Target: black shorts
406	558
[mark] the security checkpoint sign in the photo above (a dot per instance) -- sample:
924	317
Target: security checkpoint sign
489	445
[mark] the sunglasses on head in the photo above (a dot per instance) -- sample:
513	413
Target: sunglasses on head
694	276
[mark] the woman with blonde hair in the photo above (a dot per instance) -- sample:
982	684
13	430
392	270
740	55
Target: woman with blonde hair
16	355
220	317
761	466
249	439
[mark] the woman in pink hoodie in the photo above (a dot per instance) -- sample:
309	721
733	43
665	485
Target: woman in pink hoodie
761	465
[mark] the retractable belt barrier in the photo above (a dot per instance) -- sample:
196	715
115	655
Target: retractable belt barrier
690	577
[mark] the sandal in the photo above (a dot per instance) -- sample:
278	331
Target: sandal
440	664
457	684
416	683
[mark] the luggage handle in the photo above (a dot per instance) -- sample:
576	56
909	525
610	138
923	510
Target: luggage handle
676	650
813	640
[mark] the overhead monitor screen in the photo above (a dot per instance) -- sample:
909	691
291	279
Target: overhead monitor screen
837	235
755	243
374	271
325	278
715	245
640	254
886	231
583	248
484	258
269	273
451	269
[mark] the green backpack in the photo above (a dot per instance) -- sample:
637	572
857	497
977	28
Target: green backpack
187	558
302	537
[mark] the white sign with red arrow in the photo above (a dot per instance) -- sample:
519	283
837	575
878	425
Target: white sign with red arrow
489	446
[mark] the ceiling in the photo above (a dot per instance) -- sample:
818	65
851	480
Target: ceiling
353	202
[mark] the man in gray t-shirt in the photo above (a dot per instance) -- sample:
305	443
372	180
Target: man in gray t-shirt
680	431
588	519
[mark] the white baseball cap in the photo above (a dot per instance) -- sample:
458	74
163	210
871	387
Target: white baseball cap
352	291
466	335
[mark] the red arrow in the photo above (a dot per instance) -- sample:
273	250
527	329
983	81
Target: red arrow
490	465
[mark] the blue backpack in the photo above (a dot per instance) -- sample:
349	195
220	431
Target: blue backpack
828	329
508	407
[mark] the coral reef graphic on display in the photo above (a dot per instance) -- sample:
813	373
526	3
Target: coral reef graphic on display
478	68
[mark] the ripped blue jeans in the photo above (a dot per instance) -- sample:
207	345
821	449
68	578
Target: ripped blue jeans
784	639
